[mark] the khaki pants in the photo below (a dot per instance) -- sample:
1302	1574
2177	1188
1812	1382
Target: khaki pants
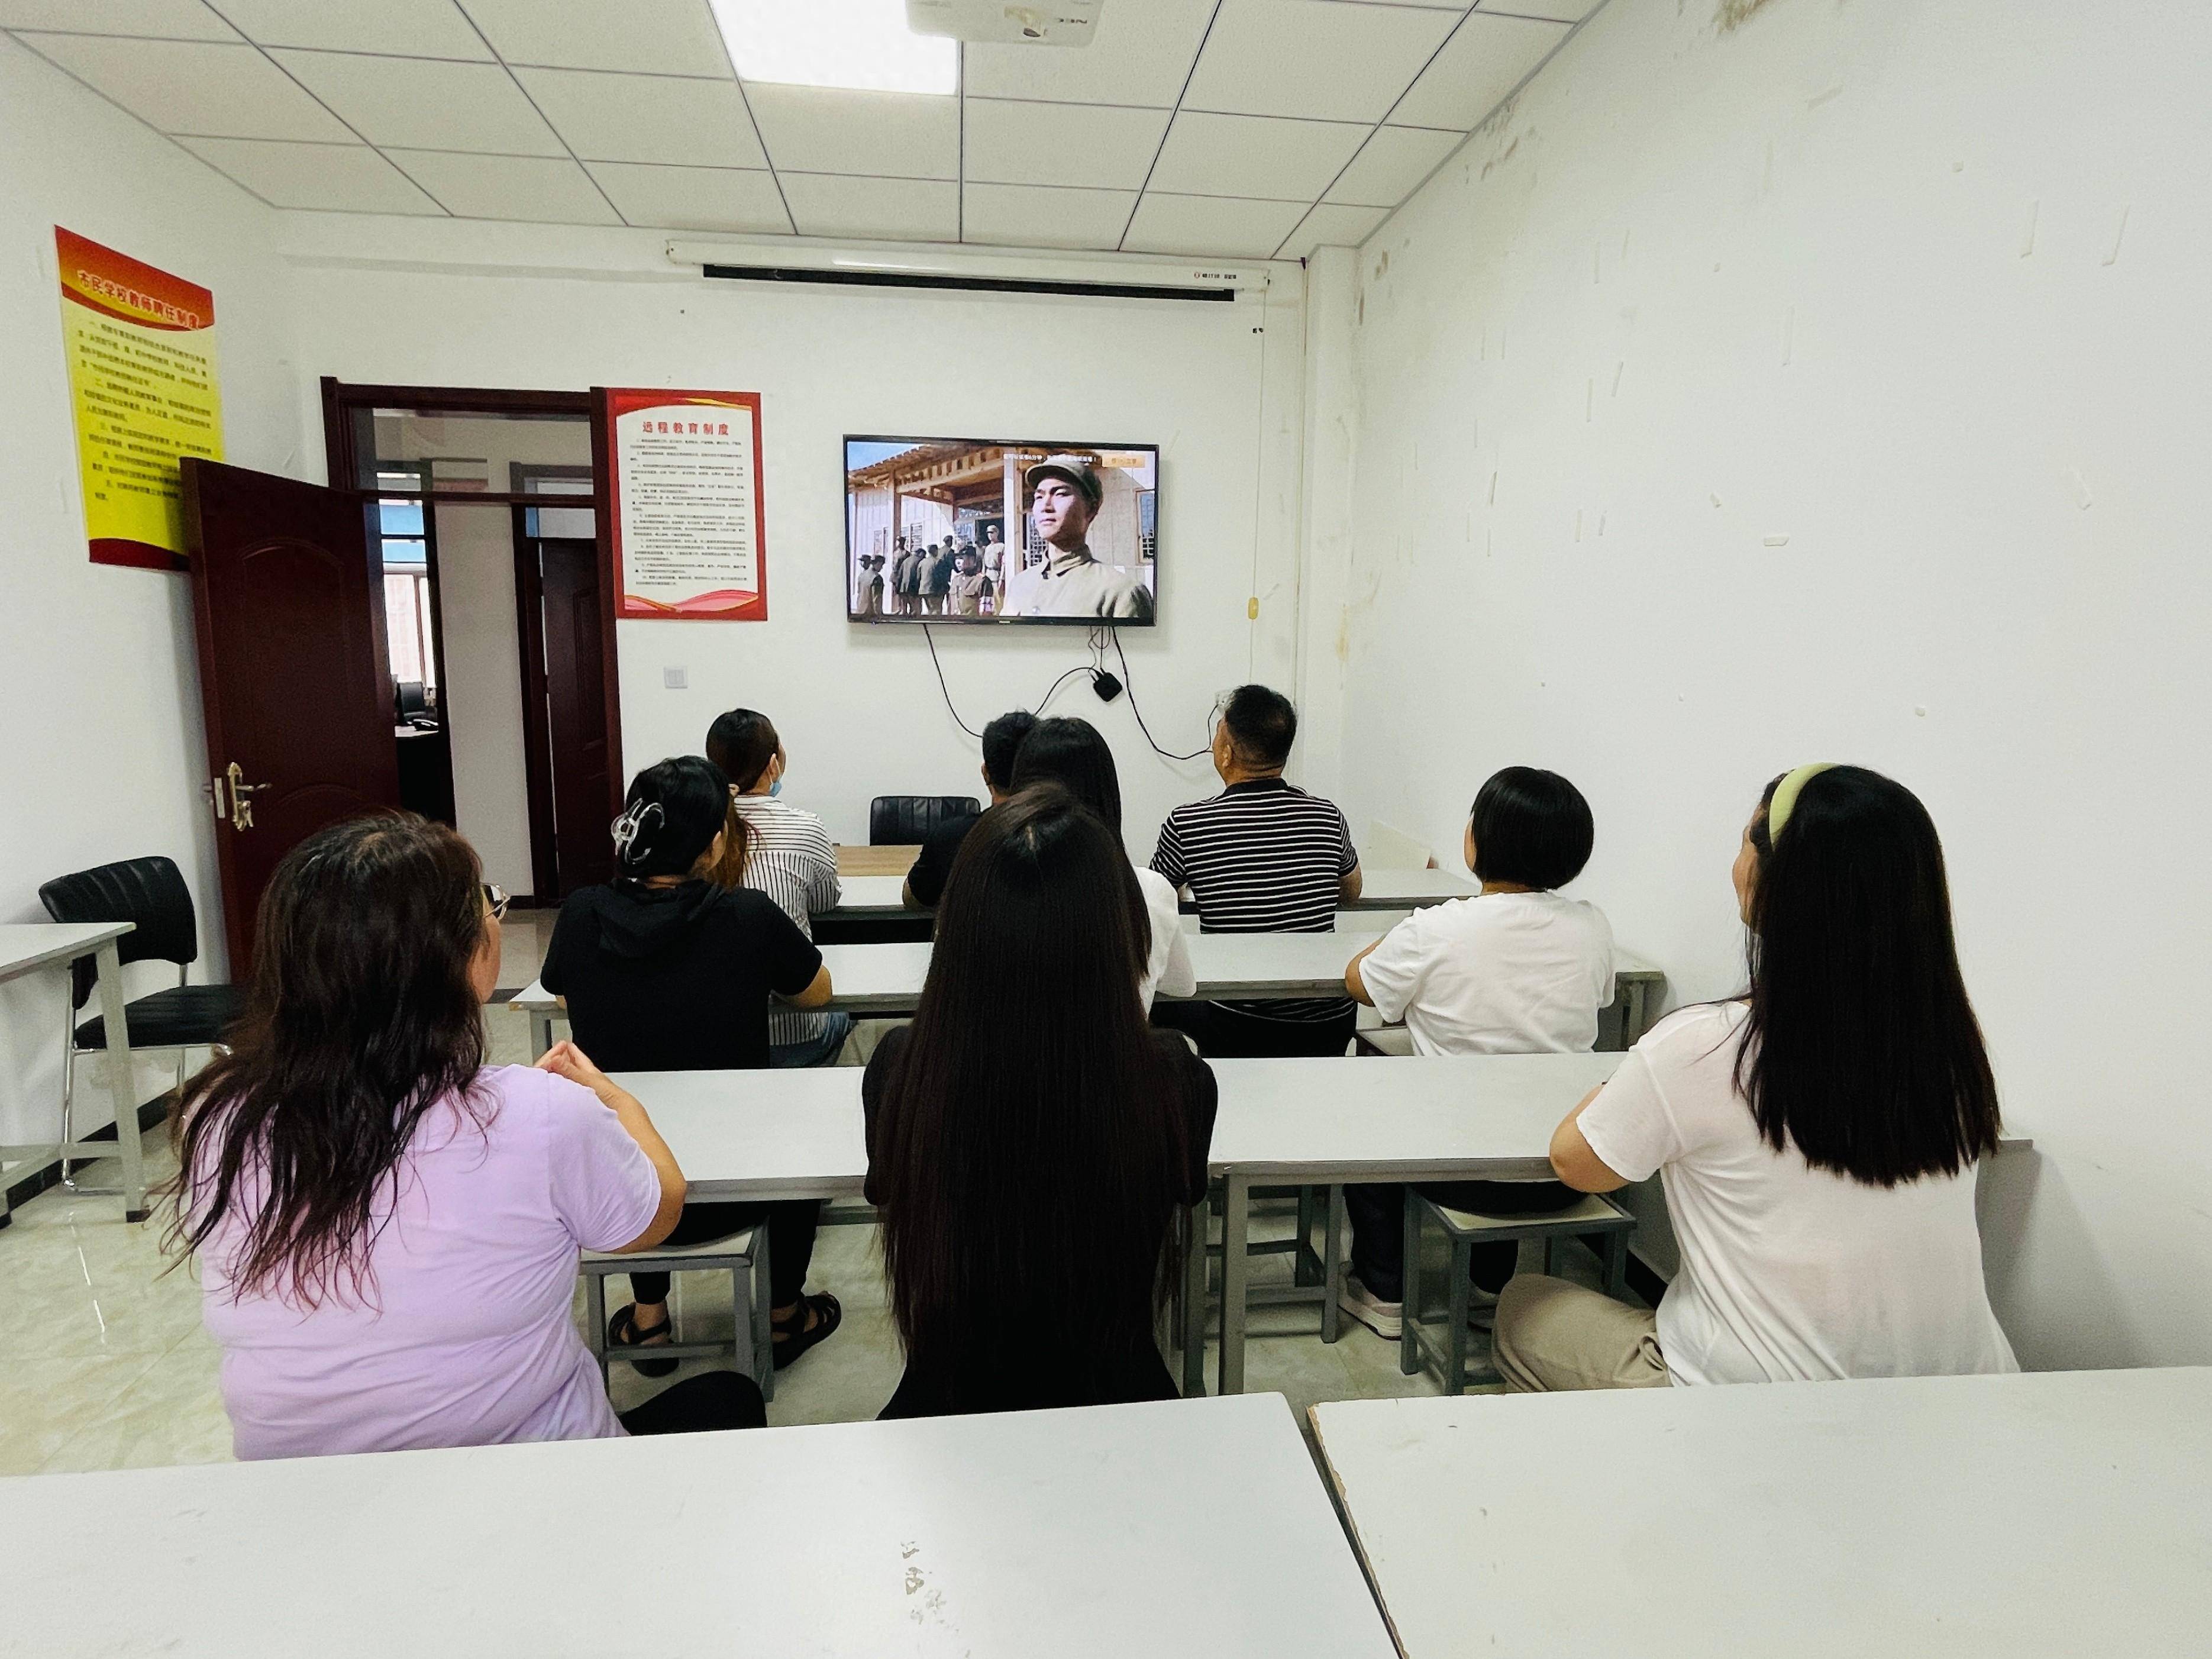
1553	1336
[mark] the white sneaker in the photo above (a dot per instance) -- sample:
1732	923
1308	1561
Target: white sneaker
1386	1319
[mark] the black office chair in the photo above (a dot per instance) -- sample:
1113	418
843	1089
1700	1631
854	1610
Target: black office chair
909	820
149	892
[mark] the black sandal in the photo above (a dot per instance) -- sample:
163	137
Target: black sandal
795	1336
622	1333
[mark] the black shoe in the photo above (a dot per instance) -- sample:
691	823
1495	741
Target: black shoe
622	1333
795	1336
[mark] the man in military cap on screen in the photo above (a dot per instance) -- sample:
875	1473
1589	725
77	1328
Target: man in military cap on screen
1064	497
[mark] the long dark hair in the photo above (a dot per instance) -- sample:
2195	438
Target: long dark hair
361	1017
1861	1047
1036	1153
671	816
1072	754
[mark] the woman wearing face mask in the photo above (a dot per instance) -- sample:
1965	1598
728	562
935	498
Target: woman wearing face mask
664	971
789	857
1818	1137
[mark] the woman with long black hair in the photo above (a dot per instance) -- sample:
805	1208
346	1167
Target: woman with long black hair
1030	1138
387	1227
662	970
1817	1138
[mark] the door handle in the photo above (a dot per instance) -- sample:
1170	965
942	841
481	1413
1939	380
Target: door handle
241	795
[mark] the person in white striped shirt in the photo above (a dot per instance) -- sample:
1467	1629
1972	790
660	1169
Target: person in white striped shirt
790	858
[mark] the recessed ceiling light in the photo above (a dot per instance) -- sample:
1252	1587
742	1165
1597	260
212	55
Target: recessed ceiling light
864	44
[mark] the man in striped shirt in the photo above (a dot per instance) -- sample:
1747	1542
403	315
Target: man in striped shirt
789	857
1261	857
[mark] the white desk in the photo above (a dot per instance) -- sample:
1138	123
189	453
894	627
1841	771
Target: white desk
2063	1513
870	898
26	947
1182	1526
1409	890
879	980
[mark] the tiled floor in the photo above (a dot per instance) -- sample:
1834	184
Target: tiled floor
108	1367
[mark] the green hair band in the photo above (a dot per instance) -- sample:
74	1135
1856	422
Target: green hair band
1785	797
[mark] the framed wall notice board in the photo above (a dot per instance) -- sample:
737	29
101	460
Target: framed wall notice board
682	472
140	344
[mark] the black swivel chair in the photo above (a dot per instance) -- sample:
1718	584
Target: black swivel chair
150	893
909	820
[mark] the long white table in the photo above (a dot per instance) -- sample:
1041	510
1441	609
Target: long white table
26	947
1181	1526
876	898
2004	1517
876	980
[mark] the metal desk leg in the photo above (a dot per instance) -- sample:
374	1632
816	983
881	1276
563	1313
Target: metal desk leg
1236	1268
1194	1302
117	1037
1633	1017
541	1032
1332	1282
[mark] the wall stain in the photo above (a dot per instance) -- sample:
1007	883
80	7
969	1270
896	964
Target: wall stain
1732	15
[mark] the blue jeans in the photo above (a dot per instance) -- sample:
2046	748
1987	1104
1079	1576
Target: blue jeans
822	1051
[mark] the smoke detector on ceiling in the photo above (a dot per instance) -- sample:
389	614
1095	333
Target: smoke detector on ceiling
1006	22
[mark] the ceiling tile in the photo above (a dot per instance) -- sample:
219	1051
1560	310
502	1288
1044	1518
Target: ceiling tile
1331	225
1313	57
403	28
1567	11
1486	59
1210	224
648	37
533	187
693	198
1047	144
425	105
1254	155
901	135
873	209
160	19
1140	53
1389	165
345	178
219	91
1036	216
647	118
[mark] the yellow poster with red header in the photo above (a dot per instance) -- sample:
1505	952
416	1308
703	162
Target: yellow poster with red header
141	349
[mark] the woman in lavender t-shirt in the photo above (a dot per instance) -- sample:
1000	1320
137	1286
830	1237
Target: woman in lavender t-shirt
387	1227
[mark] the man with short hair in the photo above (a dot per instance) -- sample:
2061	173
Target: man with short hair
902	583
1002	740
937	577
1065	495
1261	857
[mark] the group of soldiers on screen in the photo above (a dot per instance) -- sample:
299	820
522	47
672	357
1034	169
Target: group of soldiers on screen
950	576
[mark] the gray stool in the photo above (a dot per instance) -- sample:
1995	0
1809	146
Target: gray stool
743	1255
1596	1216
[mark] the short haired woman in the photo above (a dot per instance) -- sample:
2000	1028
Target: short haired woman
1072	754
1817	1138
386	1226
664	971
1030	1140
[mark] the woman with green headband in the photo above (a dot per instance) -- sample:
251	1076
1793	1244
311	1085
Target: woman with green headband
1817	1137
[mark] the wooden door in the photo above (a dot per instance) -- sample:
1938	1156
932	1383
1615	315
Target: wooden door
586	791
288	599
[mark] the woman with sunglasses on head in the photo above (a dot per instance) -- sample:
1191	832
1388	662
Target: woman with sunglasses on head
1817	1138
1030	1138
662	970
386	1226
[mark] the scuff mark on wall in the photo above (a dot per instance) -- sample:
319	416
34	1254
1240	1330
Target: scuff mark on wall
1732	15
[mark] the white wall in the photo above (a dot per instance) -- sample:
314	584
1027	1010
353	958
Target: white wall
1918	287
105	753
859	708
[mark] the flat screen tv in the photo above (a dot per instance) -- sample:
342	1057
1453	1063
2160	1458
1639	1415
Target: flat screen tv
988	531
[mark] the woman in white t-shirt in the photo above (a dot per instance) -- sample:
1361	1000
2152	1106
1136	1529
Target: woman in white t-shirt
1072	754
1818	1139
1516	970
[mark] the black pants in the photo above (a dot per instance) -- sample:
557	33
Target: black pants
698	1405
1377	1213
1225	1033
790	1226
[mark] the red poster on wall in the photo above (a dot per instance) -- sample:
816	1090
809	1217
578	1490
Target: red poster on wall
683	519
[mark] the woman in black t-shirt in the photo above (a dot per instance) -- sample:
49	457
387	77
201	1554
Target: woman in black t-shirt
662	971
1029	1136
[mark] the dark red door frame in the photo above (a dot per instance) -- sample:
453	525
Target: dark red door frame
340	403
